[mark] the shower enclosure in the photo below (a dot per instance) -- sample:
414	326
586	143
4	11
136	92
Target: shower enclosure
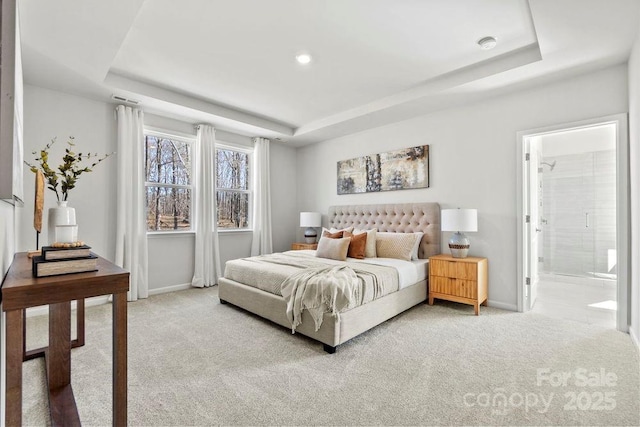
578	215
573	249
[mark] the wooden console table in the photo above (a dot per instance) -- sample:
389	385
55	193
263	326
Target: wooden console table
20	290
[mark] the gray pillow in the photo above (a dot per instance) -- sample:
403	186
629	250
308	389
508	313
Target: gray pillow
333	248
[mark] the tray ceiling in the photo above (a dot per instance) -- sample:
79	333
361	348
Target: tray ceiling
232	62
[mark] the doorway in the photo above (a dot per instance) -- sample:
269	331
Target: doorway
573	233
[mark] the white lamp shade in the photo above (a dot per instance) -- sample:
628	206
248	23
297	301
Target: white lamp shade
459	220
310	219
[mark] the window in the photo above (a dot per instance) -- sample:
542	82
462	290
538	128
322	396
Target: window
168	182
233	193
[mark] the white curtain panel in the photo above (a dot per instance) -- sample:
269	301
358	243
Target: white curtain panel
262	239
131	227
207	254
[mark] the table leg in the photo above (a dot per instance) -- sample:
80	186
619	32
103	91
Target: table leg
120	359
59	351
79	341
24	335
39	352
62	404
14	338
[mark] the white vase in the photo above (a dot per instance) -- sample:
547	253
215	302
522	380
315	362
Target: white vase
62	215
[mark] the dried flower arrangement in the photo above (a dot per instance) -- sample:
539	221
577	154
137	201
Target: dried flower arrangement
68	171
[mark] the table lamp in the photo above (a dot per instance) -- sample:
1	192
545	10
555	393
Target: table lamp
310	220
459	220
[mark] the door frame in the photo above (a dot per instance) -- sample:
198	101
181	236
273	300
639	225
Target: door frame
623	215
531	178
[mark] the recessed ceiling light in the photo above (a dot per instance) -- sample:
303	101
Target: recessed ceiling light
487	43
303	58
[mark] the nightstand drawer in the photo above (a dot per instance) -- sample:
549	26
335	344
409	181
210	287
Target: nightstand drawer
458	270
463	280
301	246
455	287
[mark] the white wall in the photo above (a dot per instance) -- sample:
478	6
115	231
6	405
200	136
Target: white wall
472	158
50	113
284	218
634	156
586	140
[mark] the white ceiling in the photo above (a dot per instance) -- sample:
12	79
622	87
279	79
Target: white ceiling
232	62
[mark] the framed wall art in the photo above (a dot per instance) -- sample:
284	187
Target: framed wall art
394	170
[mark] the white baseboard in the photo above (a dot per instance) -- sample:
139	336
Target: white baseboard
171	288
502	305
89	302
634	338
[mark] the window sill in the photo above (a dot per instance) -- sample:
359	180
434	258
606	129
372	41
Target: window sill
176	234
160	234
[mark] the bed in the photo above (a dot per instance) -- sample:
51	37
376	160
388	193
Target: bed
260	298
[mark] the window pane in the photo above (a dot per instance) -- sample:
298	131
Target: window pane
167	161
168	209
232	169
233	209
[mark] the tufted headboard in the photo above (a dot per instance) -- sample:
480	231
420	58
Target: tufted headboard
399	218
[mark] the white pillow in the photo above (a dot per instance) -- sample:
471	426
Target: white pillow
370	248
414	252
335	230
396	245
349	229
333	248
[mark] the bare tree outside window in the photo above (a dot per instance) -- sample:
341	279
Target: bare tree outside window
232	188
168	183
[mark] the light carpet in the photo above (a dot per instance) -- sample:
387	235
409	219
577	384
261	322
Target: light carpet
193	361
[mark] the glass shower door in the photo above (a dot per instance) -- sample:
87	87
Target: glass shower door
579	214
604	214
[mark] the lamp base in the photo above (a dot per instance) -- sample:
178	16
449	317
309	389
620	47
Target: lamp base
310	235
459	245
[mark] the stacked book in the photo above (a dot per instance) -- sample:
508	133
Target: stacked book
64	260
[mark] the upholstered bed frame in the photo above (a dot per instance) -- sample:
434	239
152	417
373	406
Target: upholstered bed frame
401	218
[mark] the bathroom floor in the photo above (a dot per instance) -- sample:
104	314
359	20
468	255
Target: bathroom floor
591	301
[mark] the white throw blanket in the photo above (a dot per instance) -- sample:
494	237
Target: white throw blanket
320	290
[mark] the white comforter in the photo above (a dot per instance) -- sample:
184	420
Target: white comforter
322	285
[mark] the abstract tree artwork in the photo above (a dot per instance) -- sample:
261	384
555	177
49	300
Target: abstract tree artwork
394	170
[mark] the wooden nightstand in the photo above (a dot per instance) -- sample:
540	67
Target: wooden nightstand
299	246
458	279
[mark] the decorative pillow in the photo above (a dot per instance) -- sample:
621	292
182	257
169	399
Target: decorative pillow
414	251
333	248
336	235
370	249
357	245
335	230
396	245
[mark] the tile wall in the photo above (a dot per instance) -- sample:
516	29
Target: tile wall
579	215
